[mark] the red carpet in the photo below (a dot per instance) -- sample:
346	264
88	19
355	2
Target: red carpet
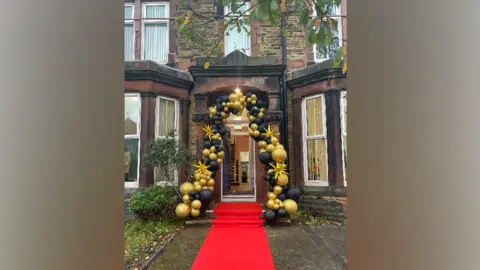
237	240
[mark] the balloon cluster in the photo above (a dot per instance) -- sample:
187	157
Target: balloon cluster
281	197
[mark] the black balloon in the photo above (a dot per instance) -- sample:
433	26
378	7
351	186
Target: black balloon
249	106
222	131
261	103
197	196
206	138
216	142
213	165
258	121
234	111
269	216
219	108
249	94
268	140
293	193
282	197
281	213
205	160
285	189
207	144
206	195
262	137
266	177
265	157
270	188
192	193
214	174
261	128
272	182
191	198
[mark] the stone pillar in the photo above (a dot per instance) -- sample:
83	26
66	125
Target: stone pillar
183	133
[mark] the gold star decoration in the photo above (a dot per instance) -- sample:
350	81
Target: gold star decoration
208	131
201	167
278	169
269	132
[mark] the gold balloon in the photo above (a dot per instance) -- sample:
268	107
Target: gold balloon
228	104
224	120
220	154
277	201
249	99
254	102
262	150
211	188
256	133
196	176
279	155
233	97
196	183
212	149
270	148
251	118
203	182
186	187
196	204
220	161
262	144
254	97
254	126
270	204
224	115
195	212
277	190
197	188
205	187
271	196
206	152
279	146
281	205
211	183
212	156
262	109
260	115
276	206
186	199
290	206
182	210
242	100
225	109
274	141
282	180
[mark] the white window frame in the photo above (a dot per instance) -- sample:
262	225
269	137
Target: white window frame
338	12
175	126
131	22
226	10
136	136
155	20
307	181
343	105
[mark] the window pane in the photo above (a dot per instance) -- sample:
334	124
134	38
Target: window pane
237	41
317	160
315	116
128	12
131	160
170	125
132	115
328	51
155	12
156	42
161	121
129	39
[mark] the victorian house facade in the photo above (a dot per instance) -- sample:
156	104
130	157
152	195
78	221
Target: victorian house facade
167	87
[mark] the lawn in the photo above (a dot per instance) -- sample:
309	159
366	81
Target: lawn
144	237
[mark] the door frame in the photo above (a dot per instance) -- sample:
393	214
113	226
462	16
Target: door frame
241	198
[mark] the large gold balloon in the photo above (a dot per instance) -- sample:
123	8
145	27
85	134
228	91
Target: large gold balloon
279	146
282	180
195	212
233	97
182	210
196	204
211	183
271	196
213	111
186	187
290	206
220	161
186	199
220	154
206	152
212	156
270	148
277	190
274	141
236	105
256	133
203	182
279	155
262	144
197	188
270	204
254	126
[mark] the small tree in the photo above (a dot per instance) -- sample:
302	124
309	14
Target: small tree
167	155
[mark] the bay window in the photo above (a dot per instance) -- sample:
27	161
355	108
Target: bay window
155	32
315	141
132	139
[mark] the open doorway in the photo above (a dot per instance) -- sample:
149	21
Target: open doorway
238	172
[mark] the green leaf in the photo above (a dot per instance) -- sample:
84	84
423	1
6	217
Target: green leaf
262	11
304	16
338	57
320	38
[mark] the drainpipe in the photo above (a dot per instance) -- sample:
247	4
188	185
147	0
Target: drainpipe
284	90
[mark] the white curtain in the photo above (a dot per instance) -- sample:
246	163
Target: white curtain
129	41
156	34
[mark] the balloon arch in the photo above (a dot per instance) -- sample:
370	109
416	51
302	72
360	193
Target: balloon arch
281	197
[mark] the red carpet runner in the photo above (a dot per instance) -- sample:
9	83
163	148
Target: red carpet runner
237	240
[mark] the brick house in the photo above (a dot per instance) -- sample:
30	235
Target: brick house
167	87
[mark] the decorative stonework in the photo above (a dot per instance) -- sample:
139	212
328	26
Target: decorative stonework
273	100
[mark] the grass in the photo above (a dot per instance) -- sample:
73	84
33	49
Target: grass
144	237
307	218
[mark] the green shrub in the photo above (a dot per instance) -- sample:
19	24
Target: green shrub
154	202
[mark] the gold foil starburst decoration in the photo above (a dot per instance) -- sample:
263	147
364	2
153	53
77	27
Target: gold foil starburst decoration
201	167
269	132
208	131
278	169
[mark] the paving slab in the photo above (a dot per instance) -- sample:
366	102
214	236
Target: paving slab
293	248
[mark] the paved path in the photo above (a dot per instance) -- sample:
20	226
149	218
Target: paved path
292	248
